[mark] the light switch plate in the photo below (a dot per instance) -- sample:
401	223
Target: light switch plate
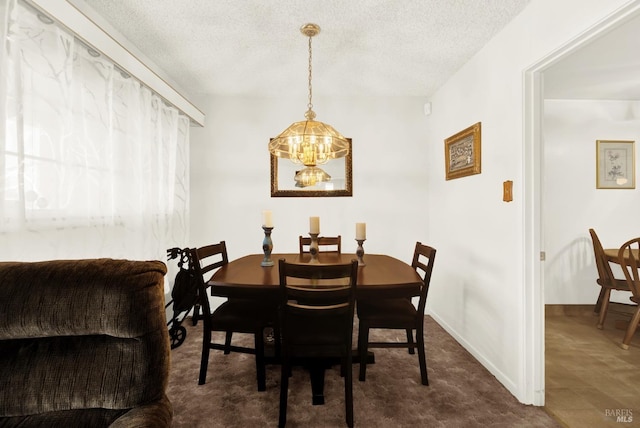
507	191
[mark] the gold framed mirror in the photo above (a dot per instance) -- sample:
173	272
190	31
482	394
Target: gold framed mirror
290	179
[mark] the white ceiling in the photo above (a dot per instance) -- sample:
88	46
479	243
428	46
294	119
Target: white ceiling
254	47
365	47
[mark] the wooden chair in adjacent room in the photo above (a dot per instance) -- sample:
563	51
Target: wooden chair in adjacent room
316	322
325	244
629	259
236	315
398	313
606	280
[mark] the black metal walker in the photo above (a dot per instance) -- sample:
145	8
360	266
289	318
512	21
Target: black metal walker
184	295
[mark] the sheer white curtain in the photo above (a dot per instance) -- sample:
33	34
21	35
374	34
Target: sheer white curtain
93	163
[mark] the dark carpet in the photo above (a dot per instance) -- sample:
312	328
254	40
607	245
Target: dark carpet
461	392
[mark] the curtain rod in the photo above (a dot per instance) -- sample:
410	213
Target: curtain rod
85	29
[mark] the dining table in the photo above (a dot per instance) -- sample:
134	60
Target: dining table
381	276
612	254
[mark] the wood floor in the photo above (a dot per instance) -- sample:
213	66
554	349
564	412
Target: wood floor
590	380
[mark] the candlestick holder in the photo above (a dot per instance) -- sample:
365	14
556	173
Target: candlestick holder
360	252
313	248
267	246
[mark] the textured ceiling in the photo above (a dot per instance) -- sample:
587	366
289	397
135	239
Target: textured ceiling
254	47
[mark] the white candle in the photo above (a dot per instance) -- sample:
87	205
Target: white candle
361	230
267	218
314	225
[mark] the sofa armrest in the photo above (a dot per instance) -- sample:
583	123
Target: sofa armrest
152	415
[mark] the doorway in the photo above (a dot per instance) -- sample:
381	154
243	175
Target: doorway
537	79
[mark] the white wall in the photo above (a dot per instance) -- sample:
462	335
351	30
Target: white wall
230	175
479	295
572	203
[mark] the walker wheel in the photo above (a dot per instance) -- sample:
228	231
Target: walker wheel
177	336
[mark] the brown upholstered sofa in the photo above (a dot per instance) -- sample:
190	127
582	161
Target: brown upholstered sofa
83	343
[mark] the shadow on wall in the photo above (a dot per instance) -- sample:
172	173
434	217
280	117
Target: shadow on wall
488	313
573	264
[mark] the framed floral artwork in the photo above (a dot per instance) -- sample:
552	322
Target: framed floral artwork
615	164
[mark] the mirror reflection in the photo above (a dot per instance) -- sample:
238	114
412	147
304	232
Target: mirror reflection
333	178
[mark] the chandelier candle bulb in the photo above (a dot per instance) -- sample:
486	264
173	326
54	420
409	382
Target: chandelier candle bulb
267	218
314	225
361	230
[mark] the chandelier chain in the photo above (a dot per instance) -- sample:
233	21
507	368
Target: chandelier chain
310	105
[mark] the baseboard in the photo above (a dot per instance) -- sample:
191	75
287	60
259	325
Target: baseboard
502	378
587	310
568	310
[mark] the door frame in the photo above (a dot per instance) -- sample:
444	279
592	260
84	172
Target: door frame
534	214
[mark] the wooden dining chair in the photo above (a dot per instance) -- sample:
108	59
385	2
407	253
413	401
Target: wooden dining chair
629	259
236	315
325	244
400	314
606	280
316	322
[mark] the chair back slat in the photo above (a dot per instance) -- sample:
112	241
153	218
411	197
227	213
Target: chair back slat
423	259
322	296
605	275
204	260
324	244
202	253
629	259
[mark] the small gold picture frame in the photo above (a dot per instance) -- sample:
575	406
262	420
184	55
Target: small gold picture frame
462	153
615	164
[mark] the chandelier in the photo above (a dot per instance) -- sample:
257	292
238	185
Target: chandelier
310	142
